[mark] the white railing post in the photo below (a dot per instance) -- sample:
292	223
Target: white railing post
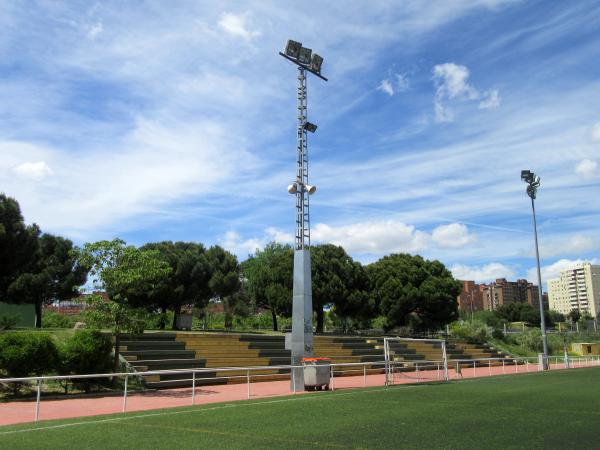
125	394
364	375
332	377
248	382
490	367
418	374
503	369
473	368
37	401
193	387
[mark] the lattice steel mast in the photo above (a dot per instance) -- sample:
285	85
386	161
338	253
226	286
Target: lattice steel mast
302	338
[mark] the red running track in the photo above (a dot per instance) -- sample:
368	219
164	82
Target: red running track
24	411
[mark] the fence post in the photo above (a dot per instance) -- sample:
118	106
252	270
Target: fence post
527	365
473	368
193	387
37	402
248	382
418	374
516	366
503	370
332	378
293	379
490	367
125	394
364	375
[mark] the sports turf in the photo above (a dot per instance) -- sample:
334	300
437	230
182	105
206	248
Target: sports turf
539	410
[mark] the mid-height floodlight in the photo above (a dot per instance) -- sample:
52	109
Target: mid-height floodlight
305	55
310	189
292	49
310	127
293	188
526	176
316	62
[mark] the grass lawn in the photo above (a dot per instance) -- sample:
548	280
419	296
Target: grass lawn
538	410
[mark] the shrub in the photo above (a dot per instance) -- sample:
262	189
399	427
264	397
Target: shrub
473	332
8	321
87	351
24	354
52	319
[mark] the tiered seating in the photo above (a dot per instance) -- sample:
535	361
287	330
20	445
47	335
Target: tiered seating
158	351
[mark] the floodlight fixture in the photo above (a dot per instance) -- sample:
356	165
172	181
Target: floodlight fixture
292	49
316	62
310	189
305	55
293	188
310	127
526	175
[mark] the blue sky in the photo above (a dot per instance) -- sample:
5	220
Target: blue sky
157	120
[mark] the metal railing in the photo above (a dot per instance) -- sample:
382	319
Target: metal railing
419	367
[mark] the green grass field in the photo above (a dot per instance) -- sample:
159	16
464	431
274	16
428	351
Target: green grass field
538	410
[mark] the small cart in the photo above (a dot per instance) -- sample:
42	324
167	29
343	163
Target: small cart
317	373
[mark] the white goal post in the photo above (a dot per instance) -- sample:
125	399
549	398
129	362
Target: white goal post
390	364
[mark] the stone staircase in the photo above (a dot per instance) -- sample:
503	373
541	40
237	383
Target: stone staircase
181	350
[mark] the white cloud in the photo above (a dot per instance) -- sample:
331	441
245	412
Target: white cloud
95	30
235	25
491	99
386	86
596	132
402	82
382	237
454	235
553	270
33	170
587	168
576	244
485	273
397	82
234	242
452	83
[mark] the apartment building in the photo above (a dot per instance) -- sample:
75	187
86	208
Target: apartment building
576	288
471	298
502	291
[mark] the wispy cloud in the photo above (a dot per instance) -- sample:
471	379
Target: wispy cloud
236	25
587	168
452	82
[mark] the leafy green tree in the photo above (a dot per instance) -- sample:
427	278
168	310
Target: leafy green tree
574	315
53	275
267	276
187	283
410	290
340	282
123	271
225	280
19	245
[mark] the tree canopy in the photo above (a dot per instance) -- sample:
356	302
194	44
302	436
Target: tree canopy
339	282
186	283
123	271
409	290
268	278
19	245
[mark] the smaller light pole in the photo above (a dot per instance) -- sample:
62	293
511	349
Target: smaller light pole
533	182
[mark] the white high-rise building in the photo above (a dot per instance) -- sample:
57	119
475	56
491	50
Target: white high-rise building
577	288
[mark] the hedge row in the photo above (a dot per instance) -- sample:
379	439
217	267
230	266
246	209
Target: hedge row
25	354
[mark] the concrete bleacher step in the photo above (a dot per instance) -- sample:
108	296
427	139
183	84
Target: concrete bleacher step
158	354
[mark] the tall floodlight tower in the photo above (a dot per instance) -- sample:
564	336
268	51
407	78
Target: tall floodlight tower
302	335
533	183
